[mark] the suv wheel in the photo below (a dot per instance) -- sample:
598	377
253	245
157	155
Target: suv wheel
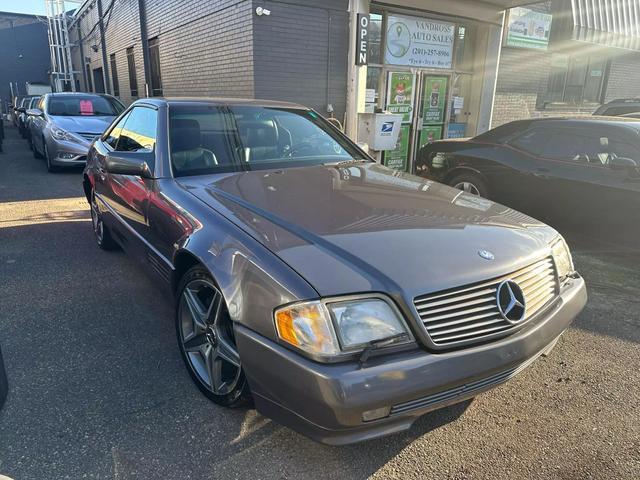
206	340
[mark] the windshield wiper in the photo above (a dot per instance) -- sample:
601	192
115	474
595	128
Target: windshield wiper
377	344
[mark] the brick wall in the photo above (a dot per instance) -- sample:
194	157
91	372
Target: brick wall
300	53
522	75
206	47
222	48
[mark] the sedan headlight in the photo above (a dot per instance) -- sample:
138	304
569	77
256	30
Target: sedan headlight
61	134
332	327
562	258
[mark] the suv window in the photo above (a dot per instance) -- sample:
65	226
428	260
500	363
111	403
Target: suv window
114	134
139	131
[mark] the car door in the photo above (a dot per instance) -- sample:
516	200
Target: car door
616	196
127	196
520	180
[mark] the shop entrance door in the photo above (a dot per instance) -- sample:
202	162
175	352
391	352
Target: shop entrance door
422	98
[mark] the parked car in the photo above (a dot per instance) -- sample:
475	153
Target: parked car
24	118
579	174
63	129
20	111
13	109
619	106
348	299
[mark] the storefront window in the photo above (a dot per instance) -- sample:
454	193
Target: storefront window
464	48
374	87
375	38
576	80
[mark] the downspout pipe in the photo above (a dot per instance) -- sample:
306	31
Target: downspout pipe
103	45
142	13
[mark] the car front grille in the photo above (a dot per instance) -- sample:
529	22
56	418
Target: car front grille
90	137
471	313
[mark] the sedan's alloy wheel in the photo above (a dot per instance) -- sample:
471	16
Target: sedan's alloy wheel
207	337
468	187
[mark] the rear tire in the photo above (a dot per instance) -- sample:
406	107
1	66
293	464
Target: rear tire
471	183
206	340
101	232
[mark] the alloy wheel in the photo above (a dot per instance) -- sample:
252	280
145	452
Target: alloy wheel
207	337
467	187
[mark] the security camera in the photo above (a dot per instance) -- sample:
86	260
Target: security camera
262	11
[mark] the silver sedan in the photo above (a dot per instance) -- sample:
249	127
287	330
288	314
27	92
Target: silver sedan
63	129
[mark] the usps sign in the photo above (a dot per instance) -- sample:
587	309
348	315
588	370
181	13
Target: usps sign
387	128
362	40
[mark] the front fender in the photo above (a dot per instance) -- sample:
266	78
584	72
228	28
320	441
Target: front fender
253	280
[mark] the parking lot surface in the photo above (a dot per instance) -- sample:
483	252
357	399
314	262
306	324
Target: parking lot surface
98	388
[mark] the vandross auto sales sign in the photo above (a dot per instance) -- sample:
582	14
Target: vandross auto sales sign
419	42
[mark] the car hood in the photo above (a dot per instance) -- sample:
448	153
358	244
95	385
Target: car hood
364	227
83	124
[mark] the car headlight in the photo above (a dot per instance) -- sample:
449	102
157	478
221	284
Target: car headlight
562	258
61	134
332	327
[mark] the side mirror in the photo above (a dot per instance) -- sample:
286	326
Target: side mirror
128	163
622	163
35	112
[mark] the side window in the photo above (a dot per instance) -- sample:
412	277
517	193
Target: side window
531	141
619	148
41	104
139	131
114	134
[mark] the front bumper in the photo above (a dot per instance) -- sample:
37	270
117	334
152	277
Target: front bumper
326	401
67	154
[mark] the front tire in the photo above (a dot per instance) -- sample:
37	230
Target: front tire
50	167
34	149
207	342
470	183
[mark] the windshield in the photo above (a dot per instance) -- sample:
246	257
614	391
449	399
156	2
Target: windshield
210	139
84	105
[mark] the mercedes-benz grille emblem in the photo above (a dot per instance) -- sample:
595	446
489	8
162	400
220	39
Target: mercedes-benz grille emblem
486	254
511	301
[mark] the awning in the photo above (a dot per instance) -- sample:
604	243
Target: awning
610	23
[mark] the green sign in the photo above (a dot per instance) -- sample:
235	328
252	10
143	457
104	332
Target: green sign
397	158
429	134
528	29
400	94
434	98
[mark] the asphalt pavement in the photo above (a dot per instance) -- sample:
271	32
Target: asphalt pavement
98	388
